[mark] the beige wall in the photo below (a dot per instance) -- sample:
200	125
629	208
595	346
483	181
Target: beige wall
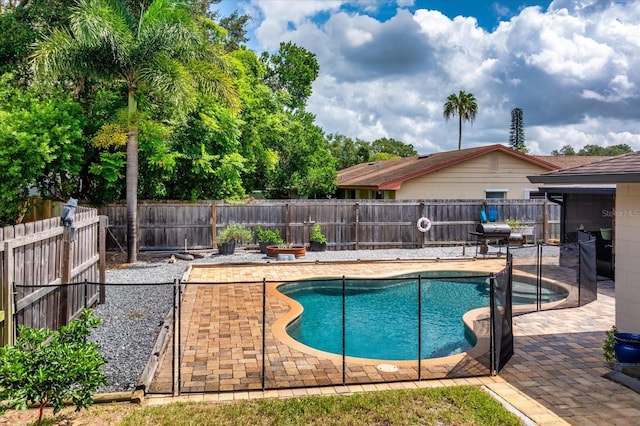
627	260
470	179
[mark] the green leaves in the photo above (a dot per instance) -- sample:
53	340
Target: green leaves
41	144
46	366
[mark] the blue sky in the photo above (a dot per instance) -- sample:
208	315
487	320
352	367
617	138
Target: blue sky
387	66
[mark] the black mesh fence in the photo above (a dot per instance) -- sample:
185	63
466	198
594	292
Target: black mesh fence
135	333
553	276
174	338
321	332
502	319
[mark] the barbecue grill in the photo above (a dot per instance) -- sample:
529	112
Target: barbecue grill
491	231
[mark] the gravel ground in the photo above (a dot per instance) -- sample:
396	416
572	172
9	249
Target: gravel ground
140	295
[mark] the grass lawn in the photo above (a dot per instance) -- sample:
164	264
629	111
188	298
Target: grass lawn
460	405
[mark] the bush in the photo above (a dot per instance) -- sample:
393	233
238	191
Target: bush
317	235
235	233
268	235
50	367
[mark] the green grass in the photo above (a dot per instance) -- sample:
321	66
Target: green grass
461	405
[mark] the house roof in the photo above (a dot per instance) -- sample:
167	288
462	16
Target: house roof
566	161
618	169
391	174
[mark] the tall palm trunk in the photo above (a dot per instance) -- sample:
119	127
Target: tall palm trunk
132	180
459	130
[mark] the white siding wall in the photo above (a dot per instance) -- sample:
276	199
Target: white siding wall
627	260
470	179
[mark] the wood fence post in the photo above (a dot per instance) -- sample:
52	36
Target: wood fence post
214	224
8	296
357	223
423	212
65	276
287	222
545	221
102	253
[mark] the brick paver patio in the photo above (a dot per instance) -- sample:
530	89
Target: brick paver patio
555	376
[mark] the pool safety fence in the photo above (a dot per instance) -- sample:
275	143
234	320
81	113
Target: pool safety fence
554	276
191	337
183	337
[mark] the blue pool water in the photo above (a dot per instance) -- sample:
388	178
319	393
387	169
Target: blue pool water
381	316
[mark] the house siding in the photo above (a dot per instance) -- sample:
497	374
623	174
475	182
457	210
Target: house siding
470	179
627	253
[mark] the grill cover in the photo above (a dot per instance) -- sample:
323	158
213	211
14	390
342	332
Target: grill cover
493	230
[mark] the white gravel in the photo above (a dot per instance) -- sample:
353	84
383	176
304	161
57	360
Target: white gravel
140	295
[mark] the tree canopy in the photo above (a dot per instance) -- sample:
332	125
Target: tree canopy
594	150
516	131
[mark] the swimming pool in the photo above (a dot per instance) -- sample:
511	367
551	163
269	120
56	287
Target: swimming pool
381	315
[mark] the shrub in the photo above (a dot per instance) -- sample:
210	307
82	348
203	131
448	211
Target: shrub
317	235
609	342
268	235
235	232
50	367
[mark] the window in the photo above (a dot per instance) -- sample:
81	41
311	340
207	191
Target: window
496	193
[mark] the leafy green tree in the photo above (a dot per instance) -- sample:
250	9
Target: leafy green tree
21	24
347	151
208	164
393	147
236	33
262	113
51	367
462	105
565	150
594	150
516	131
605	150
292	70
305	165
153	48
41	145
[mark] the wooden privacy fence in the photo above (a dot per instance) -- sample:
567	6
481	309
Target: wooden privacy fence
37	258
347	224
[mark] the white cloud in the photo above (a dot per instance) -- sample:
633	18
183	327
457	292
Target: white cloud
571	68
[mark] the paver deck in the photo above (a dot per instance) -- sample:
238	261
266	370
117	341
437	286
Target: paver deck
554	377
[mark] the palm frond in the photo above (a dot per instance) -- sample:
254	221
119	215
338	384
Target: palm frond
212	80
96	24
54	54
170	78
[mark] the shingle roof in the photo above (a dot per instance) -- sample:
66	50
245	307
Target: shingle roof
566	161
621	168
390	174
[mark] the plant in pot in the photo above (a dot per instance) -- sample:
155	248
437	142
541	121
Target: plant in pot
233	234
317	240
286	248
623	347
267	237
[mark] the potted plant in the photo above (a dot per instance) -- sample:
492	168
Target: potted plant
267	237
623	347
286	248
232	234
317	240
520	228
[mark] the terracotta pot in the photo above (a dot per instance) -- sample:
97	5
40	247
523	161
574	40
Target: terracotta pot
297	251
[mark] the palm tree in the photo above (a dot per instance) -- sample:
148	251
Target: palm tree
464	106
156	48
